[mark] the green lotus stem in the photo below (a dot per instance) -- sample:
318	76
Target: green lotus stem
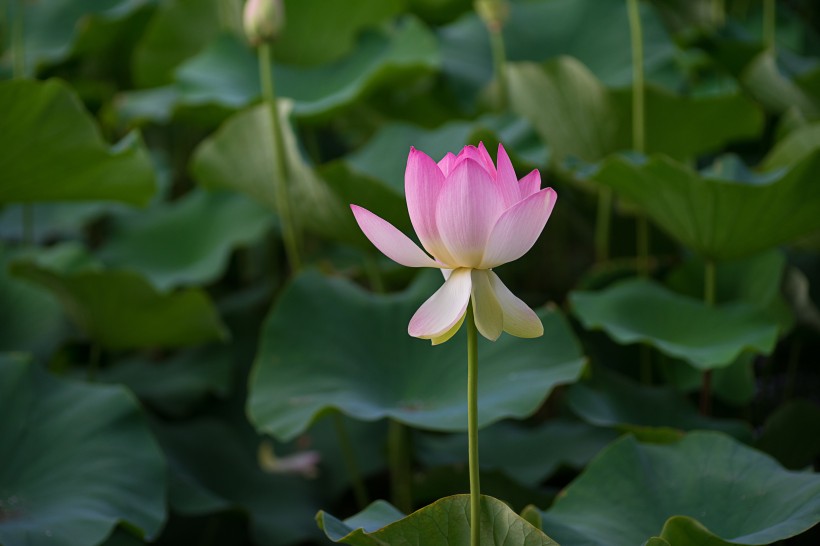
349	456
398	451
636	36
472	427
709	299
769	23
286	220
638	124
500	66
602	223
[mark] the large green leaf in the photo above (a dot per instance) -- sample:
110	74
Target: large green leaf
187	242
594	31
77	460
509	447
792	434
719	218
740	495
580	118
329	344
214	467
239	157
32	320
51	150
226	73
443	523
332	27
178	30
50	221
51	29
643	311
177	384
611	400
779	92
120	309
797	145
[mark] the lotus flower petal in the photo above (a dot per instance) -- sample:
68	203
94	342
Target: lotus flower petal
519	319
447	163
423	182
449	333
479	155
506	179
393	243
467	208
489	316
443	309
529	184
518	228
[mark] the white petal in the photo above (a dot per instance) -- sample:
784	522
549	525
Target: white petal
519	319
449	333
444	308
489	317
393	243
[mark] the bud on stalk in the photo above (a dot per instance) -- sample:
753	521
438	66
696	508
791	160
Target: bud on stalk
263	19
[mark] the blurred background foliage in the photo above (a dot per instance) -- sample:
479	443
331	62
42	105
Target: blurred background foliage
167	376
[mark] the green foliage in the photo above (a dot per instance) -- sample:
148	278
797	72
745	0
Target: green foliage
77	460
168	375
727	491
442	523
369	368
702	211
53	151
119	309
679	326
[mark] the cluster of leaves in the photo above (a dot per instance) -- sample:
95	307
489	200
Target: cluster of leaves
166	377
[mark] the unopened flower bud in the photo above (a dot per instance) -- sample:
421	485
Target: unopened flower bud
494	13
263	19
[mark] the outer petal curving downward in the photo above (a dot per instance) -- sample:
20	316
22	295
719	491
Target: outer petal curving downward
393	243
489	316
518	228
423	182
444	309
519	319
467	209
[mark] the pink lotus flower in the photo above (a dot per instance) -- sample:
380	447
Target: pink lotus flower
470	217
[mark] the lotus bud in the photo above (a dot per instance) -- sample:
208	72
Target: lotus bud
263	19
494	13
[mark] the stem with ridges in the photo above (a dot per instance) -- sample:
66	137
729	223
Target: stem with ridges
708	299
286	221
398	451
472	427
349	456
638	124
